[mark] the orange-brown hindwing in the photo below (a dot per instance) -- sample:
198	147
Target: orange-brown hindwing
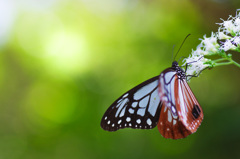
188	108
170	126
181	113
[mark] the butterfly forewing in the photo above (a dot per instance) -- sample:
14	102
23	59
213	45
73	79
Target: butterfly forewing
138	108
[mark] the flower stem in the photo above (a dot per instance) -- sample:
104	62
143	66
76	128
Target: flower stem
223	63
219	60
235	63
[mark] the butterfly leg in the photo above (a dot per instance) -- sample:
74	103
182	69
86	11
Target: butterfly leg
196	75
192	62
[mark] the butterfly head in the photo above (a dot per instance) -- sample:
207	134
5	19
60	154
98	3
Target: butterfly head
175	64
181	74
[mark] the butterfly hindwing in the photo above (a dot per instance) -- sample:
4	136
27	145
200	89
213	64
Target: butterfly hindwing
138	108
189	110
170	125
181	113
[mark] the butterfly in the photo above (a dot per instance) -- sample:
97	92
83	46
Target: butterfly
165	101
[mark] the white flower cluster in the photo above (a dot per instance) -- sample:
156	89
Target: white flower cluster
227	38
196	62
229	31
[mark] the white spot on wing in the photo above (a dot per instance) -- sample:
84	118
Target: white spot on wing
174	122
125	95
145	90
141	112
119	100
128	119
154	102
175	116
105	118
173	109
131	111
143	103
139	121
108	122
164	99
119	121
120	106
134	104
149	122
169	116
122	112
165	108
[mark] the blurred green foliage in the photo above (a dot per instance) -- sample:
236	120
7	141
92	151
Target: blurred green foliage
63	63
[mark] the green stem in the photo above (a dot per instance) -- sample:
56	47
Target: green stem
235	63
220	60
223	63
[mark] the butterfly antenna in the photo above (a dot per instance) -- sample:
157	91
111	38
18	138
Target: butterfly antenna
173	52
181	45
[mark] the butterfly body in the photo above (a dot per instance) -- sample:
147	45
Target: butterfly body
165	101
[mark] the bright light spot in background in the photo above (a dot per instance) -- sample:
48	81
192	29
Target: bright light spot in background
66	51
7	17
36	5
108	6
9	10
58	49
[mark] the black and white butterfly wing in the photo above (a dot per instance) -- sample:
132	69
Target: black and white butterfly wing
138	108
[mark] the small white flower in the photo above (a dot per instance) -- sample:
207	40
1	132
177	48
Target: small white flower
229	26
199	51
195	65
228	46
210	44
237	21
236	40
222	36
237	25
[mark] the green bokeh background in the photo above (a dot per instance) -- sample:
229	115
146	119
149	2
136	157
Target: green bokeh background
62	63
